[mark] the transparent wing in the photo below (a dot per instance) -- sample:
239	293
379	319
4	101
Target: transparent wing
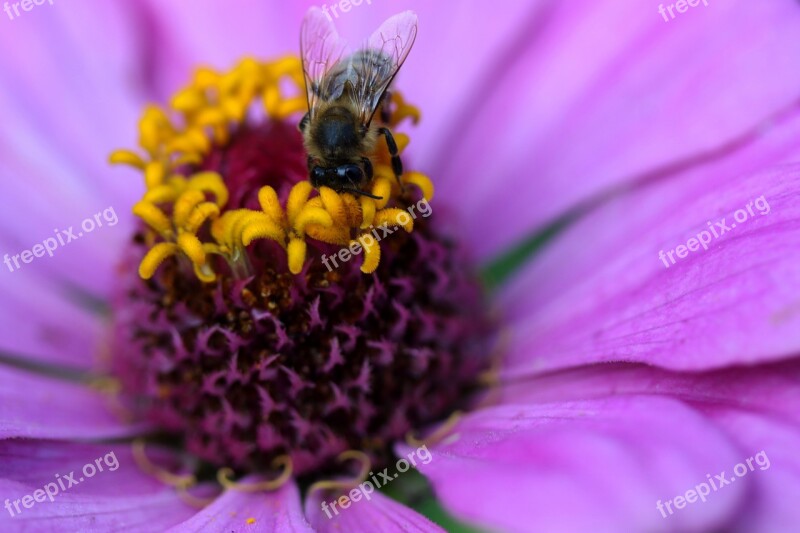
371	70
321	49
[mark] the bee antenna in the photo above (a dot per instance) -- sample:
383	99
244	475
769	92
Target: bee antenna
363	193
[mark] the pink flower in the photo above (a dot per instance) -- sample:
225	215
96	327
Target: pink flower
597	136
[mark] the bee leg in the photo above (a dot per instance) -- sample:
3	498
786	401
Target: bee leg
303	123
397	164
367	167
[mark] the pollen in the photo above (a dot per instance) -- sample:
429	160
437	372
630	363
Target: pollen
195	207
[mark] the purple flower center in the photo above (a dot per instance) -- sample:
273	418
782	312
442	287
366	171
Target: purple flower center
262	363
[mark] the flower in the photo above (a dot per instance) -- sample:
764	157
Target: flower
623	383
252	352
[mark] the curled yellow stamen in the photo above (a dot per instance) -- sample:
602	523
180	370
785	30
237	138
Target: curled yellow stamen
153	259
312	215
185	205
262	228
346	484
190	499
403	110
126	157
192	247
438	435
210	182
372	253
284	462
268	200
153	216
394	217
422	181
164	476
334	204
297	199
200	214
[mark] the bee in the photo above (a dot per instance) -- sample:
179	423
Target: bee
344	92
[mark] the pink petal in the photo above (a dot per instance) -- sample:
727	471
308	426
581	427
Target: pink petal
758	408
772	389
32	406
277	511
62	115
576	109
597	465
39	323
601	293
378	514
774	483
123	499
188	34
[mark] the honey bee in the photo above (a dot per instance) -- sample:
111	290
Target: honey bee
344	92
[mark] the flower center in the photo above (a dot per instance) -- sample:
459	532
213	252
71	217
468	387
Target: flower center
259	319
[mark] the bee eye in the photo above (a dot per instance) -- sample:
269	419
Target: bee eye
318	173
353	173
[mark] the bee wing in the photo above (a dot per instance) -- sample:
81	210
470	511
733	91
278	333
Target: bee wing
371	69
321	49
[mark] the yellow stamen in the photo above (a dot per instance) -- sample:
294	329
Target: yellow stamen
394	217
190	499
262	228
312	215
164	476
155	257
153	216
403	110
180	198
297	255
210	182
297	199
372	253
192	247
346	484
382	187
126	157
185	205
368	208
422	181
284	462
200	214
440	434
268	199
153	174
